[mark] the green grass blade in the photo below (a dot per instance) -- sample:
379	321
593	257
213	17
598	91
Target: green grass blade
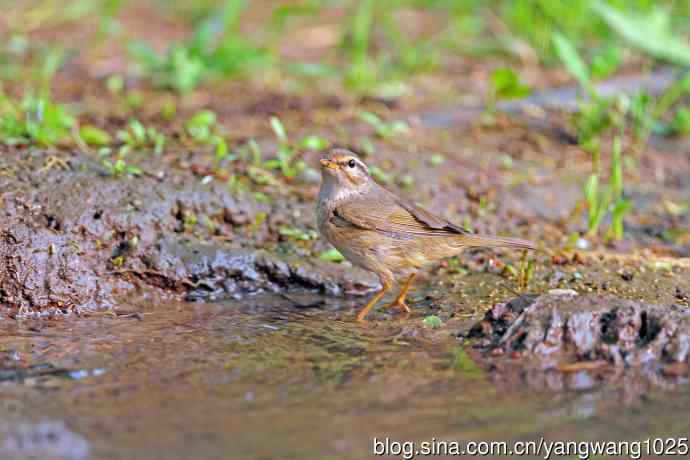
649	33
573	62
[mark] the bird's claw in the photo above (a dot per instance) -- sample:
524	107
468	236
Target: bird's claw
399	303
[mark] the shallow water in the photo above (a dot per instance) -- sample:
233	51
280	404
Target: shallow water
264	379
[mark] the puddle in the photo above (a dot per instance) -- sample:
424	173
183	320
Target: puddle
263	379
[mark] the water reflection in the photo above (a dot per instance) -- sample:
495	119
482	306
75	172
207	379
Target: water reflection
263	377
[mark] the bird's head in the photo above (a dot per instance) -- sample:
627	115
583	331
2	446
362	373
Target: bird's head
343	169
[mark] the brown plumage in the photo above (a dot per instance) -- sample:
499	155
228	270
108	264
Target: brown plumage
380	232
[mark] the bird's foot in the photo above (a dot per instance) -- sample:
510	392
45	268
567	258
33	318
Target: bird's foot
399	303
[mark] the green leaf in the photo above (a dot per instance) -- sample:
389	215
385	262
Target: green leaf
379	174
94	136
35	119
332	255
606	61
681	121
507	85
384	130
115	84
437	159
371	119
616	179
621	206
573	62
314	143
592	198
200	125
138	130
134	171
221	148
202	118
432	321
278	129
284	12
215	48
297	233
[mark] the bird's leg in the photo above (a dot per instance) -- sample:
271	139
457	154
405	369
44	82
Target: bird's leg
365	310
400	300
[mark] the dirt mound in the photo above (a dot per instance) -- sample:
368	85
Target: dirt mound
73	237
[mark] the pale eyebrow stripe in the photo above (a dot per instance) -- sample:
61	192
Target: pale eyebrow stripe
359	162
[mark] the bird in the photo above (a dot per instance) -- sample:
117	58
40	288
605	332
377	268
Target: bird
383	233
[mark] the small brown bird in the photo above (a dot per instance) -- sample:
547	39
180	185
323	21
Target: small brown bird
380	232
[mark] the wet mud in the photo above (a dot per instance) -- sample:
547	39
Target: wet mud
71	237
568	332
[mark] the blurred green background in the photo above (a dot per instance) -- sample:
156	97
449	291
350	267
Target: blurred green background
181	44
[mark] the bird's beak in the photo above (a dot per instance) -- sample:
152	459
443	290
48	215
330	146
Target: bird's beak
326	163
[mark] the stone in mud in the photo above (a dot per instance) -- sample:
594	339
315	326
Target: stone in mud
559	328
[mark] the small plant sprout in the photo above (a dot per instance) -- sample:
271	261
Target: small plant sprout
362	71
619	205
379	174
505	84
437	159
94	136
526	271
33	120
285	159
606	61
680	123
386	131
216	48
596	117
379	69
202	127
602	199
120	169
406	181
432	321
297	233
115	84
137	136
255	152
572	61
189	219
332	255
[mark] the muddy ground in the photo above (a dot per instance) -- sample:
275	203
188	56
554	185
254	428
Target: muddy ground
75	238
136	308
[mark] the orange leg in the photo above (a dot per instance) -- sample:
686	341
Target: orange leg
367	308
400	300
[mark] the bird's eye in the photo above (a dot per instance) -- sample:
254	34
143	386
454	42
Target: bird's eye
351	163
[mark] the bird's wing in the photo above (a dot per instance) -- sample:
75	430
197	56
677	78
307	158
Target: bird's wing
430	220
393	216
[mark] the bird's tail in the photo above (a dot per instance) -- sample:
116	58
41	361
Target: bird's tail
489	241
